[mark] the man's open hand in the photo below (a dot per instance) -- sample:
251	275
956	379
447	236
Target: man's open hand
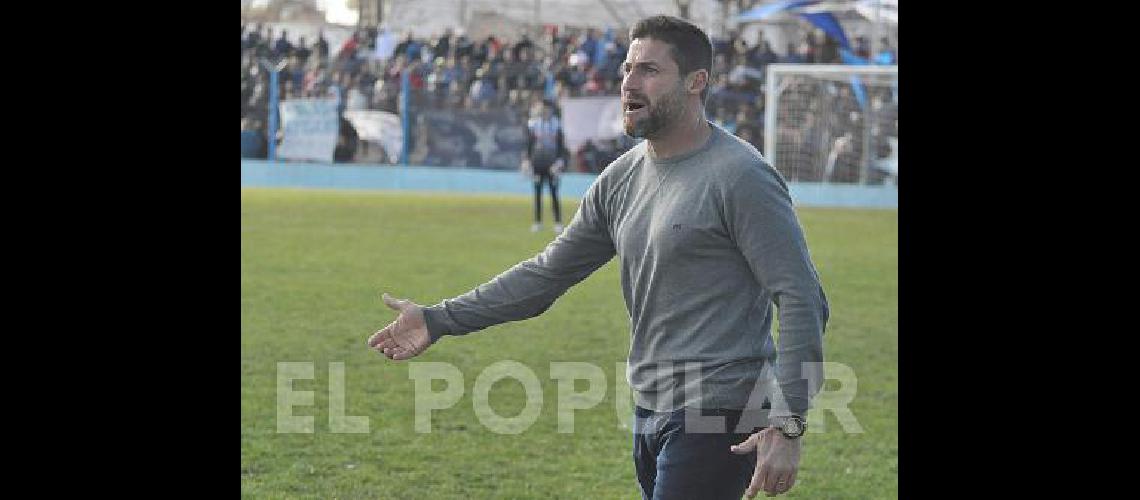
777	460
407	336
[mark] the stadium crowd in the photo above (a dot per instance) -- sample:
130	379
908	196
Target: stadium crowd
452	71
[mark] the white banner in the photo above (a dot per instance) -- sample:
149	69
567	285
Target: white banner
590	118
385	45
310	128
378	126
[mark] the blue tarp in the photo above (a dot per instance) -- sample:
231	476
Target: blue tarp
768	10
822	20
829	24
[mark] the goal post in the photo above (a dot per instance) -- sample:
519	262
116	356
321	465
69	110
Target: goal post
832	123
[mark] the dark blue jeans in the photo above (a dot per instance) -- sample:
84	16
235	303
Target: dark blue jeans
679	459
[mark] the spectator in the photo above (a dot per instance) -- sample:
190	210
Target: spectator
525	44
577	75
440	78
483	91
322	46
465	73
282	48
615	56
370	39
302	51
828	49
251	39
464	48
862	48
263	48
512	73
589	45
595	83
586	157
348	49
346	142
293	74
313	80
723	47
726	120
442	47
410	47
533	76
797	54
252	139
737	51
384	95
760	56
749	133
457	97
481	53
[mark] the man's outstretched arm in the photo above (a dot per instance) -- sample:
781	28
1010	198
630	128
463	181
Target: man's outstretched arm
524	291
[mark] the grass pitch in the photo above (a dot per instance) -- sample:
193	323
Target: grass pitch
313	264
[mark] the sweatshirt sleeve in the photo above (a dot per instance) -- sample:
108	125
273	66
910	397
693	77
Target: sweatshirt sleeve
763	224
530	287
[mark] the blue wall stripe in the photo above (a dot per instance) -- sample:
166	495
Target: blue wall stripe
259	173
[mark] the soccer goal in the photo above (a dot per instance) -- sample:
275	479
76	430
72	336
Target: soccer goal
816	119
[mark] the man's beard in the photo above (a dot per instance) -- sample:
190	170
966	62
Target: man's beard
669	109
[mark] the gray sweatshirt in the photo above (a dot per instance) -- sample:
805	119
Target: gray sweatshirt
707	242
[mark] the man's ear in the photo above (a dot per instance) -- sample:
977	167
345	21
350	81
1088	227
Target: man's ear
697	81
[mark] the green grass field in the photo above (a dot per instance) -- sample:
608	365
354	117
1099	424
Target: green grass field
313	264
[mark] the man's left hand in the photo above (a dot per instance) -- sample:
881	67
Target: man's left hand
777	460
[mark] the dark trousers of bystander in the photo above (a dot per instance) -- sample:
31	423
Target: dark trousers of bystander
551	180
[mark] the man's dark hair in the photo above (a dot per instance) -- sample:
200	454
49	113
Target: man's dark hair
690	46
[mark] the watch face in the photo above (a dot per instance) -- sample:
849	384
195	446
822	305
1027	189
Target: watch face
793	427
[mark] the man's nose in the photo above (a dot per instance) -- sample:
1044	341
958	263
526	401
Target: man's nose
630	83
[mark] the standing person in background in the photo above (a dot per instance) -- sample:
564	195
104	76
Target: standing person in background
442	47
322	46
545	159
282	48
302	51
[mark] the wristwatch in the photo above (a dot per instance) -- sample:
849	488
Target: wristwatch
792	426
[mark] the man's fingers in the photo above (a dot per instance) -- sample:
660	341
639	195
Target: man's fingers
399	354
380	335
753	488
746	446
383	337
770	481
790	481
757	482
393	303
778	483
396	353
385	342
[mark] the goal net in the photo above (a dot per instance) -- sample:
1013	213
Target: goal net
832	123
